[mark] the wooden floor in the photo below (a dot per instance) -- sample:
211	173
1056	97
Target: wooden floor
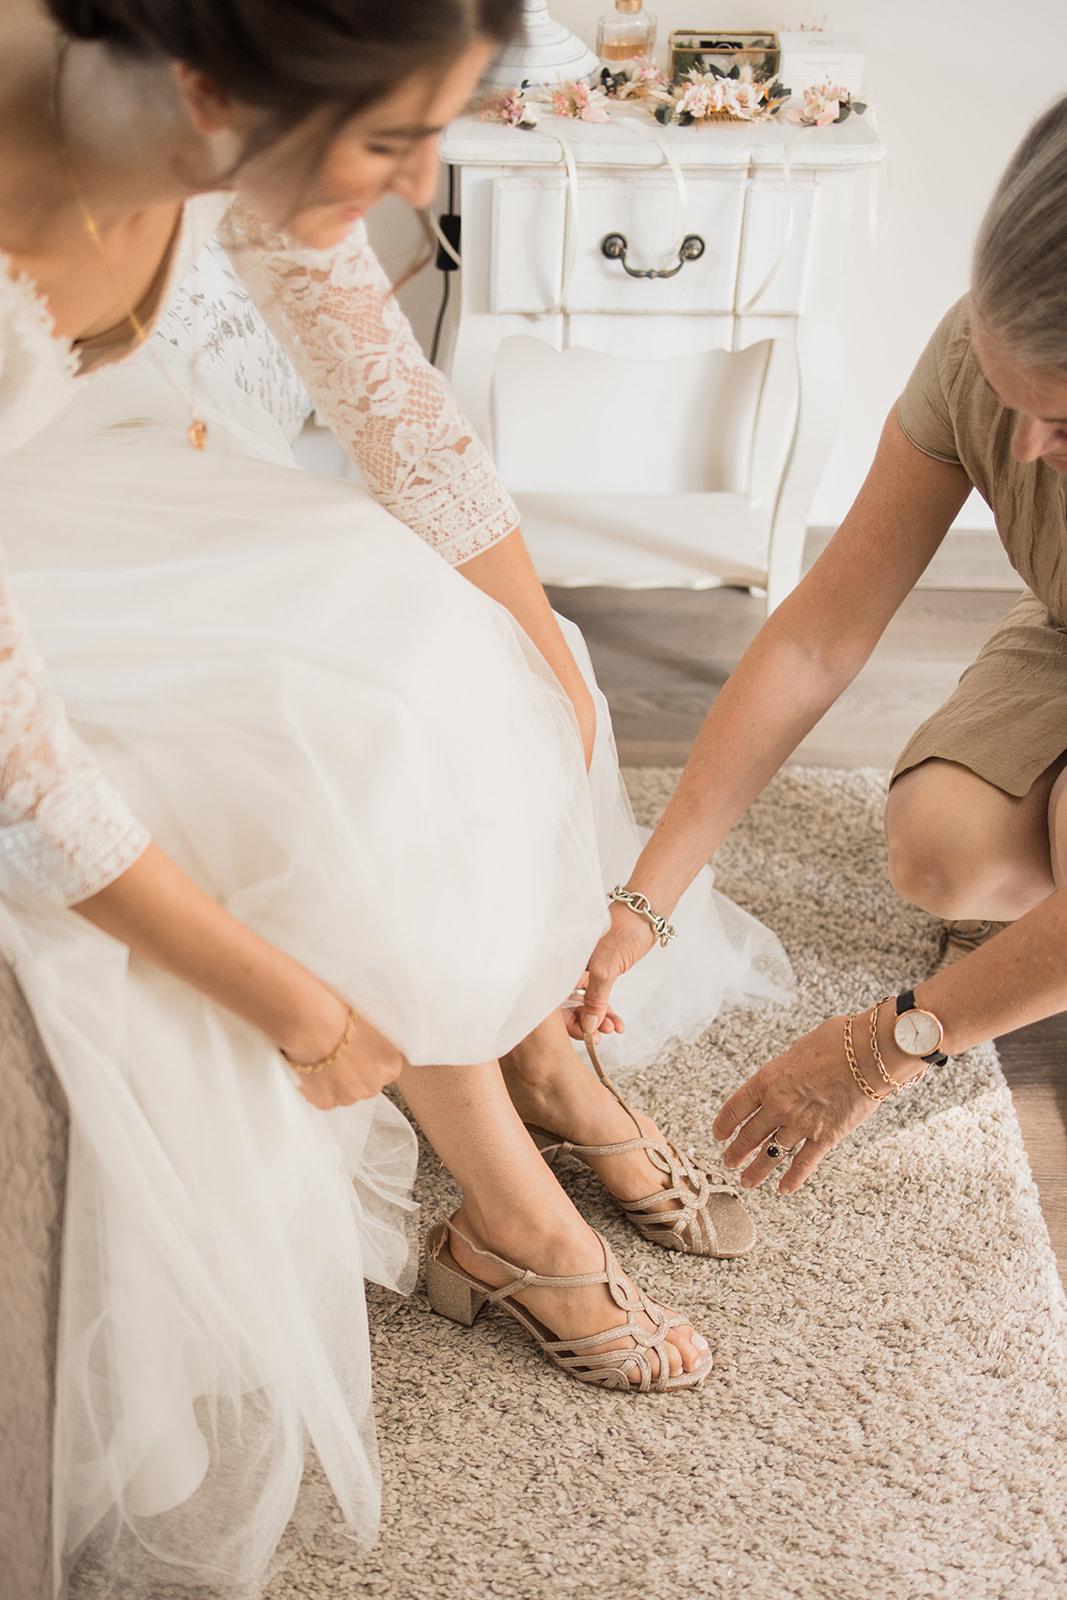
662	655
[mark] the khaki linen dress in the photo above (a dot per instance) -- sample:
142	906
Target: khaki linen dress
1007	719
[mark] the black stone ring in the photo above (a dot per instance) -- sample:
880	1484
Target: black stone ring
775	1151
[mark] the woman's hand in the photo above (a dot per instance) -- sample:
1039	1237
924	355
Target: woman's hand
628	939
363	1067
159	912
806	1094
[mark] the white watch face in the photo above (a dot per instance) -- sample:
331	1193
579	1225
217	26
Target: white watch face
918	1033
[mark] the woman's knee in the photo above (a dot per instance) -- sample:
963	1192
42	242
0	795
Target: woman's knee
1057	830
943	856
925	870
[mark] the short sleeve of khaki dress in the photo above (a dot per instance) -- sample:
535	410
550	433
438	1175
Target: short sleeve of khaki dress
923	409
1006	720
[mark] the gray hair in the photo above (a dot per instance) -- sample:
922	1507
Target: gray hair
1019	275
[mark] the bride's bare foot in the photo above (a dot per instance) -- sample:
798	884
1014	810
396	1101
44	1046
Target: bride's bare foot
571	1313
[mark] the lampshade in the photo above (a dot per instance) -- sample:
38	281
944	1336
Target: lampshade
544	52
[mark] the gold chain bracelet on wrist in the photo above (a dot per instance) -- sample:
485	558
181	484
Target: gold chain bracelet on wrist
854	1066
307	1068
894	1086
883	1070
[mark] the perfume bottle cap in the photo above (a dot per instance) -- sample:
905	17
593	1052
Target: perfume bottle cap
629	5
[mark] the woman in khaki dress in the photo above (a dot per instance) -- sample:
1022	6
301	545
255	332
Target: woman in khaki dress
977	816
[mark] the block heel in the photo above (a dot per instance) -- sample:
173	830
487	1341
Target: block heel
450	1293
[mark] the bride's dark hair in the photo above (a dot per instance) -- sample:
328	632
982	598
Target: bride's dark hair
295	57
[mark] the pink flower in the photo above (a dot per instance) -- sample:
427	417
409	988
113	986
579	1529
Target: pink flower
512	108
822	106
579	101
589	104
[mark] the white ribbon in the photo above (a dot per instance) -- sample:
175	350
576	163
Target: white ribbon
879	191
446	244
790	226
681	187
570	212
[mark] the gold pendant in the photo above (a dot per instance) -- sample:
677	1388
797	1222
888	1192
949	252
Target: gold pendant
197	433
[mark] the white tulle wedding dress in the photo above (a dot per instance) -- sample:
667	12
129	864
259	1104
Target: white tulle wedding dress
281	678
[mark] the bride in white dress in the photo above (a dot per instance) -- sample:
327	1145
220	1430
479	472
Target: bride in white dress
275	777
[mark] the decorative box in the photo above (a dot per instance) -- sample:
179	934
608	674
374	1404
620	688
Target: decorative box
703	51
810	57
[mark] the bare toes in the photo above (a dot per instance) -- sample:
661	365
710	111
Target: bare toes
692	1346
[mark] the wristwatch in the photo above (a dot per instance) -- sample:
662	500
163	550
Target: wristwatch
918	1033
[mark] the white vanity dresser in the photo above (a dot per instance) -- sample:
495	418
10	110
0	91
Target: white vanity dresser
644	243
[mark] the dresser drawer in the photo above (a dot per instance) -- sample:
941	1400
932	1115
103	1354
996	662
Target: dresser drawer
775	245
529	245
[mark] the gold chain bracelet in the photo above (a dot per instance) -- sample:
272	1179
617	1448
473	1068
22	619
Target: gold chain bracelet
894	1086
854	1066
883	1070
307	1068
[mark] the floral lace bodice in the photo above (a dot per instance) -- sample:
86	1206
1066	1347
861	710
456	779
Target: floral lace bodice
65	833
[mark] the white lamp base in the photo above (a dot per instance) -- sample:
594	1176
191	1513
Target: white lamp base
545	52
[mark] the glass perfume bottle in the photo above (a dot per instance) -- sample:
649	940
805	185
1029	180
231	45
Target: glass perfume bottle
626	35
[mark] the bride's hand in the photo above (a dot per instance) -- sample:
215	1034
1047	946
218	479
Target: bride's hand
628	939
808	1094
365	1063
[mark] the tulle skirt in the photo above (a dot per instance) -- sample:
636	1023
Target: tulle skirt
365	760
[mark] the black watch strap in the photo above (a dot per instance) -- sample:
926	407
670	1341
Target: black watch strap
906	1002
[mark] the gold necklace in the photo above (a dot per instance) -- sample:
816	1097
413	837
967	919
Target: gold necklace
196	433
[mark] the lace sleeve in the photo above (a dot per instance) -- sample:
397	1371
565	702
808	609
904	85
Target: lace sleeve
335	314
64	831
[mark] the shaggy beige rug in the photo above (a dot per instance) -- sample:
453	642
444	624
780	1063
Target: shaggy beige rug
886	1416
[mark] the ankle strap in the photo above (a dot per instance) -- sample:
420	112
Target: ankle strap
590	1040
525	1276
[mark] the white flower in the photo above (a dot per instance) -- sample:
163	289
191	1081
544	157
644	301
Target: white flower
749	98
697	100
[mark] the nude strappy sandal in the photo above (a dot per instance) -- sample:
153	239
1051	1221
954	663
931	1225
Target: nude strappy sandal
698	1212
455	1294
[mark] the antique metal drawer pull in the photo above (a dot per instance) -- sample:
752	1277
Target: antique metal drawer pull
613	245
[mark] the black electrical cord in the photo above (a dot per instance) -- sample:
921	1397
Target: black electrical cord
446	274
435	342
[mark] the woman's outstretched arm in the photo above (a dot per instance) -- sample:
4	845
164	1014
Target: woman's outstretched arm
801	661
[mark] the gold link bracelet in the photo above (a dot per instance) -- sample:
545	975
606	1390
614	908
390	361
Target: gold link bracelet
307	1068
883	1070
894	1086
854	1066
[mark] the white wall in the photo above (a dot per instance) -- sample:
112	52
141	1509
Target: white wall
954	84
